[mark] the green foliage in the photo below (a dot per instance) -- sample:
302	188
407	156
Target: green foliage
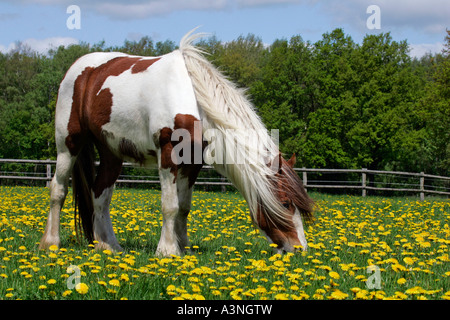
336	103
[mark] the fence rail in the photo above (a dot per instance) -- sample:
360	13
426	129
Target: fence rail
418	183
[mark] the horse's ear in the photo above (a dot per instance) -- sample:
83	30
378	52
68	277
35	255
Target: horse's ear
275	164
292	161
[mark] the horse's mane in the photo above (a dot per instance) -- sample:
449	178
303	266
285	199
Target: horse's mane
225	108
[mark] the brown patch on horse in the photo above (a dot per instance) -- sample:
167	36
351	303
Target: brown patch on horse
74	139
293	186
188	122
143	65
91	106
165	144
291	193
189	170
278	233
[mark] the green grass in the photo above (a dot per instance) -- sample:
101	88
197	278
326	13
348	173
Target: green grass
407	240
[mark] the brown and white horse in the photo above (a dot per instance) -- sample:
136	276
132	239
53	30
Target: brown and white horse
175	112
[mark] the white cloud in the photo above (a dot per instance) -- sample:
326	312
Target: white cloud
430	16
419	50
40	45
145	9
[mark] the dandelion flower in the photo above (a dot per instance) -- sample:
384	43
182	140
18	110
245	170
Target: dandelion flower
338	295
66	293
400	295
230	280
114	283
282	296
82	288
334	275
415	290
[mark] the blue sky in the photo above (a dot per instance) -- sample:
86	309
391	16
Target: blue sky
41	24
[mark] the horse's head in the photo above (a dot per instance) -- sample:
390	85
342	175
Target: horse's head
285	227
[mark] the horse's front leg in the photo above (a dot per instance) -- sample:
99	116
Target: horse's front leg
170	240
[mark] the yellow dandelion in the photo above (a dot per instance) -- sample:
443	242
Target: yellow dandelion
216	292
282	296
334	275
278	263
338	295
114	283
400	295
170	287
415	290
82	288
401	281
230	280
67	293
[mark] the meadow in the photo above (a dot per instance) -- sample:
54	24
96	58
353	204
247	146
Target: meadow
359	248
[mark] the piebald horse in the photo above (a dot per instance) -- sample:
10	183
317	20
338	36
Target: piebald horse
136	109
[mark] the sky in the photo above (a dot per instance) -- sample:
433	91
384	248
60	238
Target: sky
45	24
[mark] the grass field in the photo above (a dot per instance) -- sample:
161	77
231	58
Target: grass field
359	248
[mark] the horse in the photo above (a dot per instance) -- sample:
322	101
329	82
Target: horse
136	108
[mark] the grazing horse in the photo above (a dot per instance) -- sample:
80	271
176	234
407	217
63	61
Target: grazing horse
175	112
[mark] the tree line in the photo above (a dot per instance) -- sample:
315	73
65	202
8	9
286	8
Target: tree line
336	103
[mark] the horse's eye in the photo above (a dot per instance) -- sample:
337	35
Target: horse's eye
286	204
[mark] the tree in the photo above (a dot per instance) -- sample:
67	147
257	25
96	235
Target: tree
285	93
240	59
326	143
435	111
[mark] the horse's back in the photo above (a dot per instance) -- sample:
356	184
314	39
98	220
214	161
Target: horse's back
123	99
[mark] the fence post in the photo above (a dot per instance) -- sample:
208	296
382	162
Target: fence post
363	181
49	175
305	180
223	188
422	186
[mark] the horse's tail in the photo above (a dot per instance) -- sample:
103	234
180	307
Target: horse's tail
83	175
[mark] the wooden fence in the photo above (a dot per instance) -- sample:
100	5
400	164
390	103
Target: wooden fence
356	179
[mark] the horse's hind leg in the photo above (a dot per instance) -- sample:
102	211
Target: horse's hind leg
185	186
108	172
58	192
